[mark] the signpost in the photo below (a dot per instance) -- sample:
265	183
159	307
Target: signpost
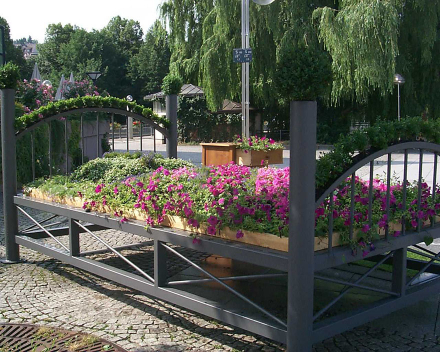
244	56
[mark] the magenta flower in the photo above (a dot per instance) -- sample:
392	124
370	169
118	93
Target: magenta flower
239	234
193	223
115	190
213	220
211	230
98	189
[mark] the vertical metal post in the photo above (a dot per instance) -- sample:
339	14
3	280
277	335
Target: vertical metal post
160	264
66	146
74	245
154	140
140	134
113	132
302	228
82	139
33	154
245	69
171	111
50	148
97	136
398	284
9	165
128	142
398	102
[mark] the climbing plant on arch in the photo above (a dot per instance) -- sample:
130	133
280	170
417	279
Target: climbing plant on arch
113	105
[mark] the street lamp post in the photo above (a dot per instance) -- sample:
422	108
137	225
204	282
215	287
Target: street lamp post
245	63
94	75
398	80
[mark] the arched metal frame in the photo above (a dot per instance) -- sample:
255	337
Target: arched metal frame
301	264
141	118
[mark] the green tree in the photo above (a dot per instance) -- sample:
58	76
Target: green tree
151	64
49	61
366	41
13	54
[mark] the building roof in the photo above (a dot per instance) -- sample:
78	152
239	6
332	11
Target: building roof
188	90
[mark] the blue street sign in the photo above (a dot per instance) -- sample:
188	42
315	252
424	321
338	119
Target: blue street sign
242	55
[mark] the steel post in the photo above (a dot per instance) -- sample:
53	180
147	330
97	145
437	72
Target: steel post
160	264
399	271
97	136
301	229
74	244
171	111
9	174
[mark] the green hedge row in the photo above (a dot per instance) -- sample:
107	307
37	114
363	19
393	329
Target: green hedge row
61	106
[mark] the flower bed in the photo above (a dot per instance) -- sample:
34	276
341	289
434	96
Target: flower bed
240	203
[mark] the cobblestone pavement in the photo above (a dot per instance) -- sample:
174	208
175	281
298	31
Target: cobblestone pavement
47	292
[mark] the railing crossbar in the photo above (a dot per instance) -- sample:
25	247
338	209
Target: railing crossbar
238	294
115	251
433	259
41	222
41	227
226	278
346	289
350	284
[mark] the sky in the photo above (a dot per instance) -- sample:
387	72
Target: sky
31	18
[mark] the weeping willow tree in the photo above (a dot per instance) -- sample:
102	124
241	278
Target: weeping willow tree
365	42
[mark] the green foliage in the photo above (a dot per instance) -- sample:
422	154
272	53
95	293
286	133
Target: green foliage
9	76
116	166
302	71
62	106
14	54
172	84
197	124
148	67
361	38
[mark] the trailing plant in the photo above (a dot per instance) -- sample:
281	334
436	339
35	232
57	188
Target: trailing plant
62	106
242	198
172	84
9	76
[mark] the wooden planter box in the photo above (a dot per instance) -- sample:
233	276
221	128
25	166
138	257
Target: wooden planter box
258	157
265	240
218	153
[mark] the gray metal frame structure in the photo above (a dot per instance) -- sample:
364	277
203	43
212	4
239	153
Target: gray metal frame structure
301	265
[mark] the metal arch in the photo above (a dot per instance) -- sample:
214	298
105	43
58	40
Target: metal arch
141	118
394	148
